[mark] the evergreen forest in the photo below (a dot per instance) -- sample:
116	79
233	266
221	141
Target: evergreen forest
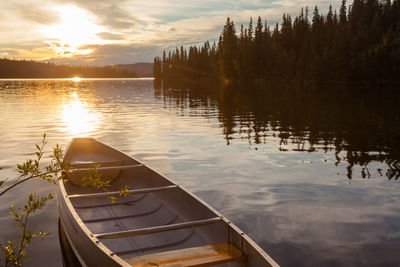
33	69
358	43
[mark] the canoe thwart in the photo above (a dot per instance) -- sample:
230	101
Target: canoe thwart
195	256
112	168
157	229
109	168
116	193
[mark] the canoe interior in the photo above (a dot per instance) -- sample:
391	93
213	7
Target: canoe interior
171	206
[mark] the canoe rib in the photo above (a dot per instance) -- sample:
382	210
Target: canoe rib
115	193
157	229
195	256
127	203
111	218
188	236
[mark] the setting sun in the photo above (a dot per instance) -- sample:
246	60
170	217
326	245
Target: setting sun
77	27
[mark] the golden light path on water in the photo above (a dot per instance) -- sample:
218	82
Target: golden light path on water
78	117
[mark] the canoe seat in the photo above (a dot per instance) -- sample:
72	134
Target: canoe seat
195	256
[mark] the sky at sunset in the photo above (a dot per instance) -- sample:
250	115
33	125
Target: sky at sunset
95	32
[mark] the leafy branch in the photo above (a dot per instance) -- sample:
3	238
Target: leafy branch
14	252
31	169
92	178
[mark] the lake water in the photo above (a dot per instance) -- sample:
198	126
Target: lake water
310	174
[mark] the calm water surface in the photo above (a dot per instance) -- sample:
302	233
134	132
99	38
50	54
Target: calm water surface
312	178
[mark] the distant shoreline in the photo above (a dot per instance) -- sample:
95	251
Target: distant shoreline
75	79
24	69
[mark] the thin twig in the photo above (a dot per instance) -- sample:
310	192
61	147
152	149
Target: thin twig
5	253
21	246
31	177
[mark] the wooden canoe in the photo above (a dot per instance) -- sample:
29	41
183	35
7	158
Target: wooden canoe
158	224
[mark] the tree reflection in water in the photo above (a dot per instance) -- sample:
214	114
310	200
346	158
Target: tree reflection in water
361	125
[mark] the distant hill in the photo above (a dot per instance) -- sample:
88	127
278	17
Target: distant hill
141	69
10	68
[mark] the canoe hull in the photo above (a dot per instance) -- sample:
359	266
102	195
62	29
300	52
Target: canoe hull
87	251
69	258
158	216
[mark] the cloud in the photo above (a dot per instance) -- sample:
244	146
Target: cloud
131	30
37	14
110	36
111	13
58	44
8	52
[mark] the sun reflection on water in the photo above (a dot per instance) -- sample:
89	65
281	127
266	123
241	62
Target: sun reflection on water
78	117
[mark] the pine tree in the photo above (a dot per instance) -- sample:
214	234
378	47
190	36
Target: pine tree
361	43
228	50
